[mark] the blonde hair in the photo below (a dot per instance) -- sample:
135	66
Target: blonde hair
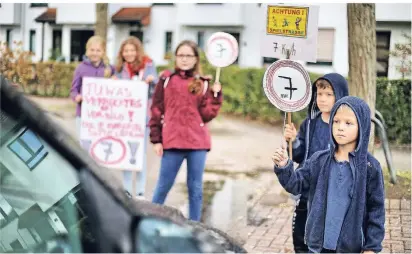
132	40
344	107
99	40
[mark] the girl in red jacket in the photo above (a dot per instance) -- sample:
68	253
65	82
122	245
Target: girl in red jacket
183	104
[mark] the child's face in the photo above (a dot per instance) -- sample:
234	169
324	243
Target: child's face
185	58
129	53
345	126
325	99
95	52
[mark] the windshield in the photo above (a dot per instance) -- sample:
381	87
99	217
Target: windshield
40	195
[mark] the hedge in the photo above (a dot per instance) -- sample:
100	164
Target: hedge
244	96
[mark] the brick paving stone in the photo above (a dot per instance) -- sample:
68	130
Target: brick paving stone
395	234
397	248
280	239
407	245
406	235
386	245
259	232
406	229
251	242
249	248
393	242
394	204
405	204
264	243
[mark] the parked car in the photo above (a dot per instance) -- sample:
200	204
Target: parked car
55	198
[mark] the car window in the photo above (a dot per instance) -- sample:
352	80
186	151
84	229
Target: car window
40	195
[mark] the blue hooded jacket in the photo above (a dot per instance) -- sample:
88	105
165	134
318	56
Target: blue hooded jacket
363	226
300	147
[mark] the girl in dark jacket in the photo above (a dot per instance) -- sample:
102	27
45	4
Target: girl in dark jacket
182	106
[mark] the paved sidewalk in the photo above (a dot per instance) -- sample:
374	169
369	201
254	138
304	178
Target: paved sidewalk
275	235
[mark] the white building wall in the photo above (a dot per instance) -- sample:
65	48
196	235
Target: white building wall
393	12
9	14
209	14
84	13
163	19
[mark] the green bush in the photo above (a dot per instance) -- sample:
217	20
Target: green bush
394	102
52	79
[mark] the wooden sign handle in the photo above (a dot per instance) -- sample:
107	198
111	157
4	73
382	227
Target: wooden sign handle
217	77
290	140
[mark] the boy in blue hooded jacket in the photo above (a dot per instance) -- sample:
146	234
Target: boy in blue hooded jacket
311	138
346	201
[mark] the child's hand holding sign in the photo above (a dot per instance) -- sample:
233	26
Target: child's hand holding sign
280	158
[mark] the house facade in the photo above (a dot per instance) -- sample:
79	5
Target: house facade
60	30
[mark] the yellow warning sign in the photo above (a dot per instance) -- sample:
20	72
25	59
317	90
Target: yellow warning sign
287	21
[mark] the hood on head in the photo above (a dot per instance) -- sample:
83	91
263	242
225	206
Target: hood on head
363	116
339	86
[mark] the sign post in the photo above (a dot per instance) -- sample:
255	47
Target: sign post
222	50
290	32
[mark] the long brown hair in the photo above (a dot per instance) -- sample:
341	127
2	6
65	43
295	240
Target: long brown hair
139	49
195	86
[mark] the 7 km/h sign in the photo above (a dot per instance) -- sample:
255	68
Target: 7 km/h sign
287	85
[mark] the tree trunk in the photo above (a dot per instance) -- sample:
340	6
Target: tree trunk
362	55
101	21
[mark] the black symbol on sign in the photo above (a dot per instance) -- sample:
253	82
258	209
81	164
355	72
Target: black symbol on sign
133	149
85	144
276	46
290	88
221	49
107	151
283	95
298	20
285	22
275	23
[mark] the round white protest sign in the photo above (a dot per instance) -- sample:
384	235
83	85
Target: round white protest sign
222	49
287	85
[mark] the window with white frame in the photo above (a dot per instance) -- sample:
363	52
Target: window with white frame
32	46
325	48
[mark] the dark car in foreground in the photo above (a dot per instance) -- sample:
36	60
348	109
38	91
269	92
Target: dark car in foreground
55	198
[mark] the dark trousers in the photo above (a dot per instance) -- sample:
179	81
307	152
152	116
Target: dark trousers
298	226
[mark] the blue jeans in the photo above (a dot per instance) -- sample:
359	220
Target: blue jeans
170	165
